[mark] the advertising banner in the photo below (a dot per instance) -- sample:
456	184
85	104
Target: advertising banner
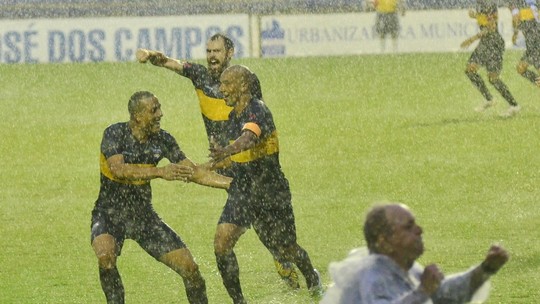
354	33
116	39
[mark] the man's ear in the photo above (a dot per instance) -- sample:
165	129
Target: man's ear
230	53
382	245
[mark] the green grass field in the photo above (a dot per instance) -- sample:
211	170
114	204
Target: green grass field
354	130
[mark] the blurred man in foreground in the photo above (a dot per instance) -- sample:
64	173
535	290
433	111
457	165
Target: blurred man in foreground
389	273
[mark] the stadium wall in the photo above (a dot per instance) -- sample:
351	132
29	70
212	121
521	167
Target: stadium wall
115	39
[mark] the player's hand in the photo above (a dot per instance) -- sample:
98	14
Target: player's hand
218	153
495	259
155	57
142	55
177	172
431	279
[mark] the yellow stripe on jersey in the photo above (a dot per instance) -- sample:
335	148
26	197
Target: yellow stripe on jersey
268	147
386	6
253	127
526	14
106	171
482	19
213	108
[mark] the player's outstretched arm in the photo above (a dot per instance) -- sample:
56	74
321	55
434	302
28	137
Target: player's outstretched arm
159	59
130	172
202	175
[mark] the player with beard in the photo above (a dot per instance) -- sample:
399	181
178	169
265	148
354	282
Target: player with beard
214	110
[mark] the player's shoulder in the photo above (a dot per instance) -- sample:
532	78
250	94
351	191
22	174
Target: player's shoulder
117	128
165	135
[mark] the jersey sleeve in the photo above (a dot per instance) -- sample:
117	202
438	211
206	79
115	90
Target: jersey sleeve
110	143
259	120
171	149
256	90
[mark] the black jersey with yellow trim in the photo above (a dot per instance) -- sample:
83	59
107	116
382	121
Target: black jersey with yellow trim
214	110
486	10
527	10
256	118
118	139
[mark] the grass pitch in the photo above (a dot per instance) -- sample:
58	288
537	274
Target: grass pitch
354	130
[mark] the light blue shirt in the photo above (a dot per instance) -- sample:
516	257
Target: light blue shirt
376	279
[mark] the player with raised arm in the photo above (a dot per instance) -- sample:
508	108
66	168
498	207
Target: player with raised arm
214	110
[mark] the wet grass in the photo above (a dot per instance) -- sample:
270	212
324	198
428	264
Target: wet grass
353	130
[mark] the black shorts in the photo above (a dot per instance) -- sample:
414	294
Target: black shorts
387	23
489	53
268	209
146	228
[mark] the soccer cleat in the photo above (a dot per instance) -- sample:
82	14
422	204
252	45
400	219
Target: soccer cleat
512	110
485	105
317	291
288	273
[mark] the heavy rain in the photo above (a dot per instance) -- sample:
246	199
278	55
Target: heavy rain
234	151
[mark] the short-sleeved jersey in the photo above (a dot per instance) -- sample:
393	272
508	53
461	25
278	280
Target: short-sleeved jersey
527	11
386	6
214	110
263	158
485	9
118	139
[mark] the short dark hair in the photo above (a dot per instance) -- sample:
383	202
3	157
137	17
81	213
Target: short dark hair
229	44
376	224
135	101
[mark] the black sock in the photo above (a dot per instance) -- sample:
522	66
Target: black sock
503	89
530	75
479	83
112	286
230	273
196	290
301	258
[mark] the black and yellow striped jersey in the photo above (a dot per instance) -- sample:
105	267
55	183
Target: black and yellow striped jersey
118	139
215	112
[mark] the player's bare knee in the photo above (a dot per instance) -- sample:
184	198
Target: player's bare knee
106	260
191	269
493	78
221	248
521	69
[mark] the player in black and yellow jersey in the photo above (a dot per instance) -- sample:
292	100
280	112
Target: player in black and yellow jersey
489	54
130	153
259	195
215	113
387	20
525	19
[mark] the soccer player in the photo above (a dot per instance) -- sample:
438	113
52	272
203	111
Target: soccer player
489	54
215	113
387	20
259	195
130	153
525	19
